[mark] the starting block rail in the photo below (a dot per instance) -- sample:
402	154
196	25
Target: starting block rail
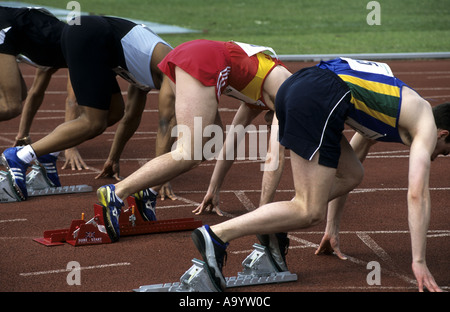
258	269
94	232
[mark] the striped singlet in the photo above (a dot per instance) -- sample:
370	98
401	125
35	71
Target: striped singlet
235	69
375	97
249	71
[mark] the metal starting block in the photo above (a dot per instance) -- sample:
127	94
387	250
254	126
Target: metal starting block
7	192
79	233
93	232
37	185
258	269
37	179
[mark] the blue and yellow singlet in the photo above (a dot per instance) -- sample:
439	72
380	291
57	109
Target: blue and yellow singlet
375	97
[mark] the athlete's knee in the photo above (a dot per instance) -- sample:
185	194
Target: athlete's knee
356	176
351	177
116	109
114	117
9	110
92	127
309	213
98	128
316	216
186	154
313	216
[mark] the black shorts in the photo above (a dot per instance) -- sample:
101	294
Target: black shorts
311	107
32	32
92	49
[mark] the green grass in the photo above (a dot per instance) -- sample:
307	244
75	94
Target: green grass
294	26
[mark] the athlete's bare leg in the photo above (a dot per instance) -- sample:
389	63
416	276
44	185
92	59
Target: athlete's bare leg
12	88
314	186
192	100
312	182
91	123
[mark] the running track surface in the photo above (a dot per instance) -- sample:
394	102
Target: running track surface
374	225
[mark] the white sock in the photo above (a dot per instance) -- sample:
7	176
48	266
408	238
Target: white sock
26	154
153	191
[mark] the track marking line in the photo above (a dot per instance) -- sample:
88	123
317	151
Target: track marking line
423	73
357	261
389	152
188	201
439	232
245	200
196	204
358	190
101	266
380	252
15	237
384	288
13	220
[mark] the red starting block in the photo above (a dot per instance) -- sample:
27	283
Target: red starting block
93	232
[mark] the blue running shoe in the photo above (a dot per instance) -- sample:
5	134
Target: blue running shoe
17	169
214	254
111	210
49	163
146	204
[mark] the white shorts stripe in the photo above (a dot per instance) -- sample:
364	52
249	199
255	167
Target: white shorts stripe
222	80
326	123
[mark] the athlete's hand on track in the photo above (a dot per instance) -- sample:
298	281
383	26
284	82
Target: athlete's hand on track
166	191
424	277
74	159
330	245
210	204
111	169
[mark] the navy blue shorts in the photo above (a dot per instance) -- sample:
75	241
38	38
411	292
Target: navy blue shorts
311	107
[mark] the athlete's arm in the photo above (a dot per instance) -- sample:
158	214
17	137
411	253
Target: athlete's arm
127	127
33	102
244	117
330	241
419	208
273	166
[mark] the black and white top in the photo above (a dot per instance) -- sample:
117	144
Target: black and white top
34	33
95	51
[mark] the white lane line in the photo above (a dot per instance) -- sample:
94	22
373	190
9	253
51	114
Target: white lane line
380	252
101	266
381	287
437	232
389	152
357	261
245	200
13	220
437	72
396	189
188	201
196	204
383	255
